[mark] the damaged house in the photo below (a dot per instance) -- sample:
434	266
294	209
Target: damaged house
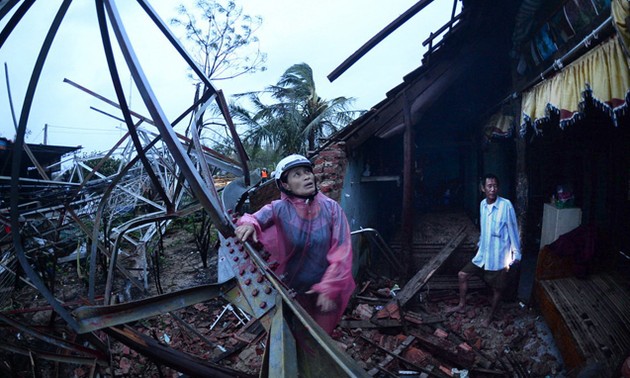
536	93
532	91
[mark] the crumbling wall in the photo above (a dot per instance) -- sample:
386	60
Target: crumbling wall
330	168
263	195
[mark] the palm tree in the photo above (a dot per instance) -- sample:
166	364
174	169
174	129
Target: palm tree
298	118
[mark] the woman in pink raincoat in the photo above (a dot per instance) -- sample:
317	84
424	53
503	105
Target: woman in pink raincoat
308	234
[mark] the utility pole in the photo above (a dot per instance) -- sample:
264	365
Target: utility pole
45	134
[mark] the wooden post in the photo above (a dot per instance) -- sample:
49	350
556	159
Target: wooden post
520	208
408	197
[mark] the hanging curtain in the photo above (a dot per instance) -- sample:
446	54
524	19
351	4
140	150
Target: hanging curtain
500	125
602	75
620	10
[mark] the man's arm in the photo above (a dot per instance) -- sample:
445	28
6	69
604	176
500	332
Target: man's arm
512	228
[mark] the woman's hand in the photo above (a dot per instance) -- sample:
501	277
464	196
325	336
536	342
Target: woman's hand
324	303
245	231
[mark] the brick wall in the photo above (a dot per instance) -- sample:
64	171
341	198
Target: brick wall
263	195
329	169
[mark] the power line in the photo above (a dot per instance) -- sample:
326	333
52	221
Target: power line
78	128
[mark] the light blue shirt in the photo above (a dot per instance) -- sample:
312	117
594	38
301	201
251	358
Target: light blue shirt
499	242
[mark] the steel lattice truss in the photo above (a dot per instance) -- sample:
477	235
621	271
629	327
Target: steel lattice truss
159	176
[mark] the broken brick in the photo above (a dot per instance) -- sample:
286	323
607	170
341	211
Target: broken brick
440	333
446	371
413	318
389	311
509	331
470	333
465	347
456	326
477	343
415	355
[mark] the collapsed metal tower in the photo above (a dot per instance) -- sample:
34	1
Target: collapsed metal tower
159	177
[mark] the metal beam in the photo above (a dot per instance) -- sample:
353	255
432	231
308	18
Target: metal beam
17	159
201	190
369	45
177	360
282	358
92	318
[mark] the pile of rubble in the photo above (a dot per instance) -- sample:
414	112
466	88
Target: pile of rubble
418	339
388	331
423	342
392	341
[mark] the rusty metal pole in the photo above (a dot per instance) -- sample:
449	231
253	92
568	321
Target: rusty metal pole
408	195
369	45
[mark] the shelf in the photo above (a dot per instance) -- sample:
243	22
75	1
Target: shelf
381	179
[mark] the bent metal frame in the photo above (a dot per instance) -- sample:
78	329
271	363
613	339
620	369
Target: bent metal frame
157	170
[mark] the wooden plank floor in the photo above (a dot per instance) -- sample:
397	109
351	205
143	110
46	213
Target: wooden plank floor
596	312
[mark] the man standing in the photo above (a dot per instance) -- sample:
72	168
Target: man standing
499	246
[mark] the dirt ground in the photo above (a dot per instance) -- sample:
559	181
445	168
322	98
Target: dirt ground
518	341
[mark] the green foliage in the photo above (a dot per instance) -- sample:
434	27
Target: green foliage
106	166
261	157
184	223
297	119
200	226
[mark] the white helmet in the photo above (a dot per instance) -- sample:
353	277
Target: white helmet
289	162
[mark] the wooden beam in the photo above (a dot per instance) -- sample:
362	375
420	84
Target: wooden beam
424	274
373	323
443	349
425	86
406	361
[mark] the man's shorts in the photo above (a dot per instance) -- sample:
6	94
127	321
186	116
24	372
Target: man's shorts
496	279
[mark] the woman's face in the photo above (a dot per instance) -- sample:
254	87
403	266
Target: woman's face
300	181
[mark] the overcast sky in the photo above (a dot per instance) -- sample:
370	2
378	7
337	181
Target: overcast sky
320	33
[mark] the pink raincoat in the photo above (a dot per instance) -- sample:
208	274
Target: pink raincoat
311	242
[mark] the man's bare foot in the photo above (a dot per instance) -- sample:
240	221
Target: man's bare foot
458	308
